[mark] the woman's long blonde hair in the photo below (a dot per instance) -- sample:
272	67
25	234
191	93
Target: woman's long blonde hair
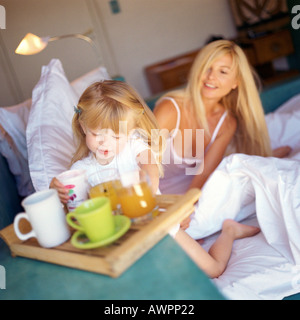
105	105
243	103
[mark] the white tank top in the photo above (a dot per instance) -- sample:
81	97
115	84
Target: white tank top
176	180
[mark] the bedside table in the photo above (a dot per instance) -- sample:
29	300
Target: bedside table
262	51
171	73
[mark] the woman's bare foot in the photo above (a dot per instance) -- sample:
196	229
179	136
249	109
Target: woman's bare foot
238	230
282	152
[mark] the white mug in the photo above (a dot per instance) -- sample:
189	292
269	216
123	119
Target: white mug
76	182
45	213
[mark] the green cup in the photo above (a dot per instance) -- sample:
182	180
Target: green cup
94	218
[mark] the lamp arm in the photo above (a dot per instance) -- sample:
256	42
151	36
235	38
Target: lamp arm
78	36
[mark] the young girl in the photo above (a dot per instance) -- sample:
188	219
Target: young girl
114	129
221	99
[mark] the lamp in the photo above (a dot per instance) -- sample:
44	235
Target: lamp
32	44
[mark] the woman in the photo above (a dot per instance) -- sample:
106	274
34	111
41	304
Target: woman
219	110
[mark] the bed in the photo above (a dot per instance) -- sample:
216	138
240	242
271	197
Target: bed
36	144
264	192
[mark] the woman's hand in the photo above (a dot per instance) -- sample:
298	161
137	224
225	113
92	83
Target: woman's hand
282	152
63	192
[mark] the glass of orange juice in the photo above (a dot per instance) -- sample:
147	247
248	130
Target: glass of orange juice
135	196
103	184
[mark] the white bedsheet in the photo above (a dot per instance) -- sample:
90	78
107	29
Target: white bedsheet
264	192
256	271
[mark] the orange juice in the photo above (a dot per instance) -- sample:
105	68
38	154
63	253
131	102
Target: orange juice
136	200
106	189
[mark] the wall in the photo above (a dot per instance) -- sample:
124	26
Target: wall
144	32
47	17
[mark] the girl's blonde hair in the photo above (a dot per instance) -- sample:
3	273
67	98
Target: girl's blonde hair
243	103
106	105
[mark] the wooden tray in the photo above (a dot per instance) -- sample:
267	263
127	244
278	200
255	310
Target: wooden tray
115	258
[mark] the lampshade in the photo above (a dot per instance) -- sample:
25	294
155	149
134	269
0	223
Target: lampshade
31	44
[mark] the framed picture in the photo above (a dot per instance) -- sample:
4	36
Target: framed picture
248	13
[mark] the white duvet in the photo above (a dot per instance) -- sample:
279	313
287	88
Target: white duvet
258	191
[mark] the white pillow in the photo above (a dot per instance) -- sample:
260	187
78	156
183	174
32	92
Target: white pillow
49	134
80	84
13	146
14	120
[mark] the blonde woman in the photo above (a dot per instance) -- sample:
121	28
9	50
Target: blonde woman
114	128
218	112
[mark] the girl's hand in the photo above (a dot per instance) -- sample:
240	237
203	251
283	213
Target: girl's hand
147	164
63	192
